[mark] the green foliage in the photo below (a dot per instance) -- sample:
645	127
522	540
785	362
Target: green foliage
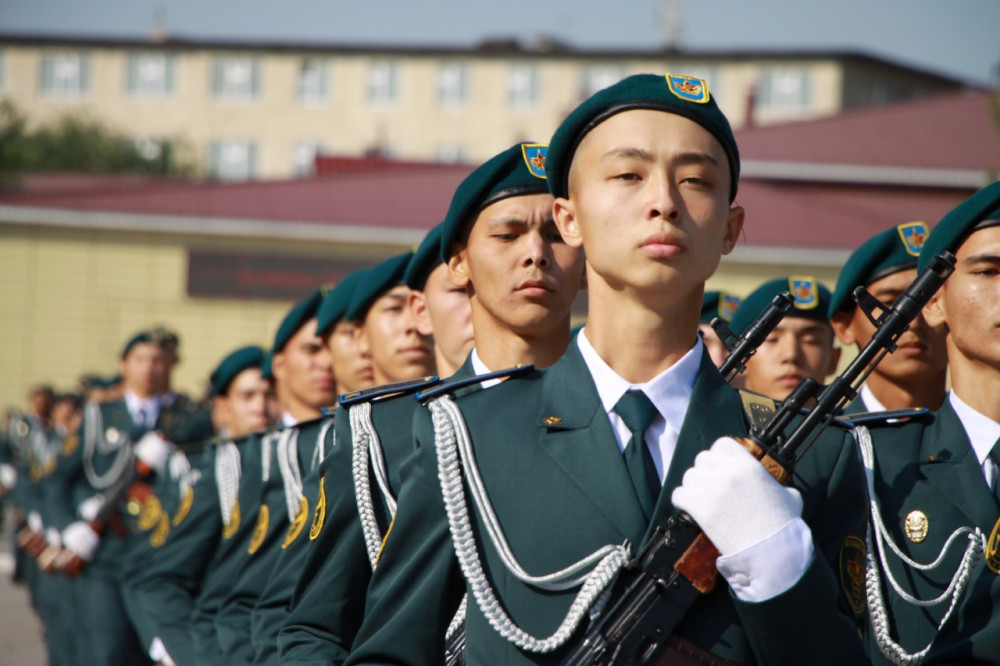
79	144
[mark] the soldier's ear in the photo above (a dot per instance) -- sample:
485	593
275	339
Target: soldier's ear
458	267
935	312
841	325
734	227
564	214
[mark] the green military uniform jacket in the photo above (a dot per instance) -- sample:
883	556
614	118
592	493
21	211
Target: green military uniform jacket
264	544
560	488
927	465
329	601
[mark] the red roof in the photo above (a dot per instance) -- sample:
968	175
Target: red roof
955	131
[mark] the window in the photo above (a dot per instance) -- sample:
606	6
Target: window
305	157
784	89
235	78
453	84
449	152
382	82
65	74
150	75
232	160
598	78
522	86
312	82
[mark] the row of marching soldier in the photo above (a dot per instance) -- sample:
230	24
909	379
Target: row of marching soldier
457	476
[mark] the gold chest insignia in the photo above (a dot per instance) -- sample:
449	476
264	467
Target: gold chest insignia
851	563
993	549
184	508
159	535
916	526
234	522
295	529
319	514
70	444
111	436
259	530
150	513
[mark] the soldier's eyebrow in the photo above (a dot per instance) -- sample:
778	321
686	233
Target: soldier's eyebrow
984	258
681	159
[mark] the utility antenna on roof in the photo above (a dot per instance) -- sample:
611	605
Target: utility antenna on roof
670	24
159	31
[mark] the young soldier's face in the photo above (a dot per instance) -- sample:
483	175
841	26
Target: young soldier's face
795	349
303	371
969	302
144	368
245	404
516	267
442	310
352	368
920	350
390	335
649	200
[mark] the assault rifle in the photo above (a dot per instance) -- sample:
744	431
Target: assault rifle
741	348
678	564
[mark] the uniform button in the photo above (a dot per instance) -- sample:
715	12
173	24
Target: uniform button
741	580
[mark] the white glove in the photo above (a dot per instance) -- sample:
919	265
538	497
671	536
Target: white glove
90	507
733	498
81	538
52	537
179	465
153	450
8	476
35	522
158	653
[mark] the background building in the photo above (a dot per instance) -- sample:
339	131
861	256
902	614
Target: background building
263	109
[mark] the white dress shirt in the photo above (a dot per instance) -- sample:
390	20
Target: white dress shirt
757	573
479	368
983	433
144	412
869	400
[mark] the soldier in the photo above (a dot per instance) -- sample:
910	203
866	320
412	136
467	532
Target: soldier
500	245
716	304
240	396
915	374
386	327
644	174
935	478
271	494
800	346
352	367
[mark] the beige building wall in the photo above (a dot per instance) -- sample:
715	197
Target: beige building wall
71	298
415	125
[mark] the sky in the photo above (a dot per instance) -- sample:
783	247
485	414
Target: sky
954	37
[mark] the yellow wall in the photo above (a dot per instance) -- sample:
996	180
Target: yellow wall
70	299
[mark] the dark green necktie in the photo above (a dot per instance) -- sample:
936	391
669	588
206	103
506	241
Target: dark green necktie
995	456
638	411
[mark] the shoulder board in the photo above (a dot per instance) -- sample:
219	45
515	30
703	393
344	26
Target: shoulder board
454	385
887	416
397	388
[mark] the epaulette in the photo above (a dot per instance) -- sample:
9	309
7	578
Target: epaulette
887	416
455	384
384	390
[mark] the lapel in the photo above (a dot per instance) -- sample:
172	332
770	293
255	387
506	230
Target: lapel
948	461
116	415
715	411
575	432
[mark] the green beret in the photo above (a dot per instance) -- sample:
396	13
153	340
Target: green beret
380	279
232	365
515	172
336	302
718	304
811	300
889	252
979	211
681	95
296	318
138	338
265	366
425	259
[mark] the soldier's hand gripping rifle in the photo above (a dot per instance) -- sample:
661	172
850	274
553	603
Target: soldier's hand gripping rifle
678	564
742	347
